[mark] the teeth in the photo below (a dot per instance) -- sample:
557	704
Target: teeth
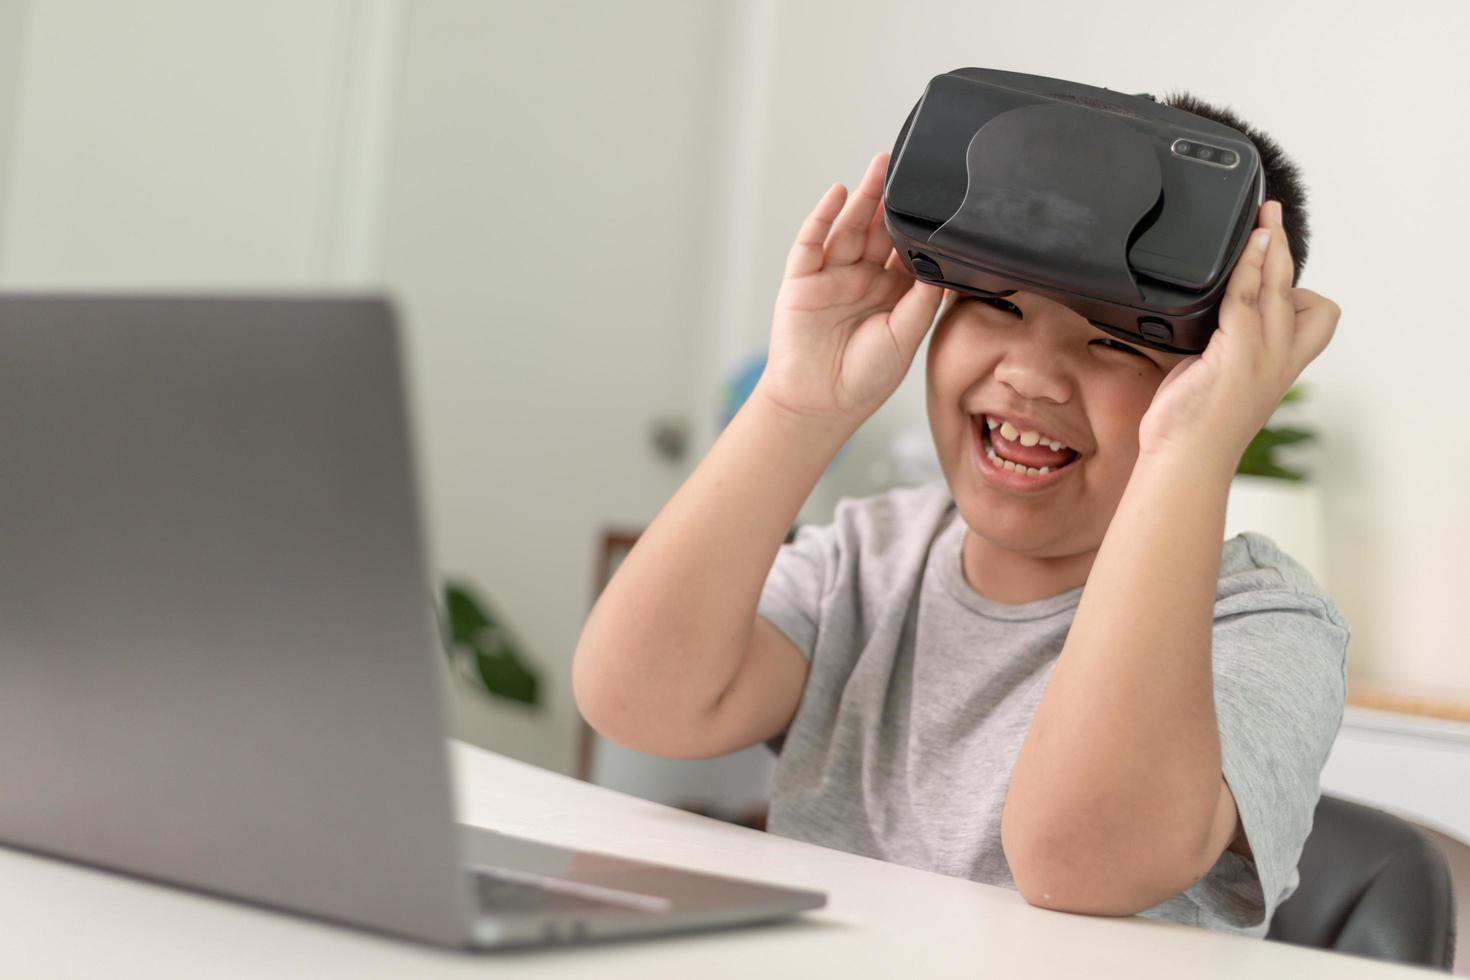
1009	466
1031	437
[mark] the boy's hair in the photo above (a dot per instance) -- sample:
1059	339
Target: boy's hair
1283	177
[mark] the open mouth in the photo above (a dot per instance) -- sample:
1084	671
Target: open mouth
1035	464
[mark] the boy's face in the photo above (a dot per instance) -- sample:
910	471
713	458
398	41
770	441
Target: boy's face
1037	365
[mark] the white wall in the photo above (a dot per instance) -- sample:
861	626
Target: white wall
1366	98
12	33
546	231
172	142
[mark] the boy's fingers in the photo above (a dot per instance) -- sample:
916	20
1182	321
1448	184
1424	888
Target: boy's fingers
879	242
1278	312
1241	313
807	252
849	235
913	315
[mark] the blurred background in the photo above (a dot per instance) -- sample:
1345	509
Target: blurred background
581	210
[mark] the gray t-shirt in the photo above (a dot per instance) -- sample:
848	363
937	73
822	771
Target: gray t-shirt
921	691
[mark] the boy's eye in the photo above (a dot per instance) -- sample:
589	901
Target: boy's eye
1000	304
1112	343
1119	345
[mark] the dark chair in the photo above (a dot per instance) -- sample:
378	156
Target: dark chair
1371	885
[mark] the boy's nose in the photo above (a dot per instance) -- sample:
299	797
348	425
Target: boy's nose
1034	372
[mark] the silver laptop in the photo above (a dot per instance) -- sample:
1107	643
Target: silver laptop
217	642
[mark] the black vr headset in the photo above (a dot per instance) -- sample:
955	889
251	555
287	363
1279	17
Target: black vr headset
1131	213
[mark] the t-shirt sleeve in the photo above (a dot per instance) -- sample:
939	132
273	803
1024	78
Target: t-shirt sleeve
792	596
1280	663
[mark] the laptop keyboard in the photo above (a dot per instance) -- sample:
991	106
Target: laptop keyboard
502	894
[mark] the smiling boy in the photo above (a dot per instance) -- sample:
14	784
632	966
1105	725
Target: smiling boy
1045	672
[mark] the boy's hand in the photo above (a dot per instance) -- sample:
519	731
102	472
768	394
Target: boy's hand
849	317
1212	405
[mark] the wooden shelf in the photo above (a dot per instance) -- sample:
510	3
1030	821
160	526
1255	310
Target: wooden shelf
1410	704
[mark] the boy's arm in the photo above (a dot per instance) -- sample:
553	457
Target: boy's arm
656	665
672	660
1117	800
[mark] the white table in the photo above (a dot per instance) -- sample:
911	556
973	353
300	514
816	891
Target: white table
882	920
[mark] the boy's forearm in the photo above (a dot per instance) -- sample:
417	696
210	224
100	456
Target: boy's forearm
1119	775
668	633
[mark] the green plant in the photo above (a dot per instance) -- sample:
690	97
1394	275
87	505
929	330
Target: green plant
491	648
1259	458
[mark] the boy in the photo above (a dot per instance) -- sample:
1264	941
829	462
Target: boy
1044	673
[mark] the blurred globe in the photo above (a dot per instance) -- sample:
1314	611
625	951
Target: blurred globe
741	383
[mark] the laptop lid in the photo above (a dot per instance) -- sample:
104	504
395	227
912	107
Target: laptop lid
216	631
